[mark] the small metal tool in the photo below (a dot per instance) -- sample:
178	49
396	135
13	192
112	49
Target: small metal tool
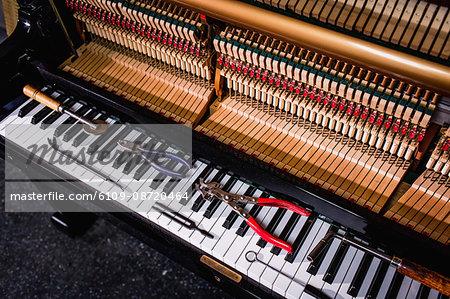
181	219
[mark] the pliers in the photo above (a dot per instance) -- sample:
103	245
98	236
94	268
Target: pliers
213	189
151	156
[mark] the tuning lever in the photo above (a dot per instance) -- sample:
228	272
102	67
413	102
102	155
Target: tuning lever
421	274
94	127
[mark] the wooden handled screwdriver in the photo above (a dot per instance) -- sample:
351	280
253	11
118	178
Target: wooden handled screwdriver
93	127
423	275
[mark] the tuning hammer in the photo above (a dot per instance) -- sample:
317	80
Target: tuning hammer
423	275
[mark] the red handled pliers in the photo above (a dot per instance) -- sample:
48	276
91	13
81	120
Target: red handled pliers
212	189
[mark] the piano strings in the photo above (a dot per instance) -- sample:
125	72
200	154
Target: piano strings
417	25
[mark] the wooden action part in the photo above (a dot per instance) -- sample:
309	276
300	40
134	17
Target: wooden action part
42	98
425	276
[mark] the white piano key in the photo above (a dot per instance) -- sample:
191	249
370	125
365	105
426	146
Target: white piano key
282	281
344	284
237	243
368	278
295	290
404	288
386	282
317	280
256	268
413	289
433	294
306	296
242	264
298	267
269	274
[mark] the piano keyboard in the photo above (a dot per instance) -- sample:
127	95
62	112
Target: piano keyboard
425	205
416	25
341	272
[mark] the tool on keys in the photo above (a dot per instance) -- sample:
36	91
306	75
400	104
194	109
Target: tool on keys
54	144
181	219
153	156
423	275
213	189
95	127
252	256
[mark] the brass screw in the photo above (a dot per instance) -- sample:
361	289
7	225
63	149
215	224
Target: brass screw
217	278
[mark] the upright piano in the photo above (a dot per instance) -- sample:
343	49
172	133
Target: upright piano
340	107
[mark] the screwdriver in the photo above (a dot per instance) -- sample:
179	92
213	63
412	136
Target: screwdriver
93	127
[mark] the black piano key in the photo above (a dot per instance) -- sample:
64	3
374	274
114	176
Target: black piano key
80	138
121	158
286	232
442	296
168	188
135	160
315	264
199	202
290	257
131	164
423	292
74	130
160	177
212	207
103	138
83	135
254	211
231	218
126	155
377	280
27	108
71	132
271	226
50	119
40	115
360	274
50	115
112	144
205	173
395	285
336	262
69	121
68	102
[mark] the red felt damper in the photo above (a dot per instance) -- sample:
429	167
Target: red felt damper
268	237
284	205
